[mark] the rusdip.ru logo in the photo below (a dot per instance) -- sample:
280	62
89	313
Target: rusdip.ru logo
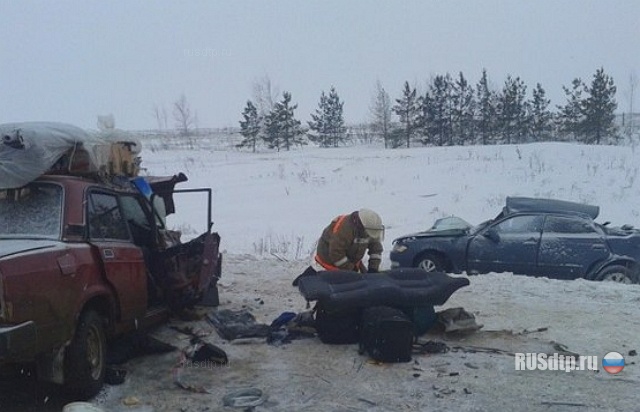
555	362
612	363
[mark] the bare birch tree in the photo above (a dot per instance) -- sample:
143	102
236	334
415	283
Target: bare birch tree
381	113
160	113
264	95
184	118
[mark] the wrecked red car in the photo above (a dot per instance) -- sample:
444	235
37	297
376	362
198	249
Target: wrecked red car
84	259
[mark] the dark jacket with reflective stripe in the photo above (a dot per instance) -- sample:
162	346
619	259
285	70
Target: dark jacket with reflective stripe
344	243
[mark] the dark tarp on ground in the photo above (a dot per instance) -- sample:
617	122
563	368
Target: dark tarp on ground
404	287
237	324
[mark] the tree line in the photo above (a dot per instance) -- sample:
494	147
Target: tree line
450	112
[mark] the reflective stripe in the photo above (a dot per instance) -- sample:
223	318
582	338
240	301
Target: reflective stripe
375	256
317	266
324	264
338	224
361	240
341	261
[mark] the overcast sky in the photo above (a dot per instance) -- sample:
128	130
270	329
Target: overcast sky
71	61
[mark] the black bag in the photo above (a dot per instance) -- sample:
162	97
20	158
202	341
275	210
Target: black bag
386	335
423	318
338	327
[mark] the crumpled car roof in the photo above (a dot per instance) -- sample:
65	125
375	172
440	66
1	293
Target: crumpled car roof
529	204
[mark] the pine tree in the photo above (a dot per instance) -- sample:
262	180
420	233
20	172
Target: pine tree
318	124
512	111
436	113
407	109
337	129
426	119
571	116
381	114
486	100
271	135
541	117
250	127
599	109
327	122
283	130
463	110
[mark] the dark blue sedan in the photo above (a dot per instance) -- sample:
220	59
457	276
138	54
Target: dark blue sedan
537	237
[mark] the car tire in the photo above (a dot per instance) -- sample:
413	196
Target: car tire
85	357
430	262
617	273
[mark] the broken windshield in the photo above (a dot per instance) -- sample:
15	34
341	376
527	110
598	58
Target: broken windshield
449	223
32	211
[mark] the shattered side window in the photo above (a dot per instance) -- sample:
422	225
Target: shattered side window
520	224
105	218
33	211
557	224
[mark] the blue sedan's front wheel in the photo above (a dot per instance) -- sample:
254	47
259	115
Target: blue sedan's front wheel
617	273
430	262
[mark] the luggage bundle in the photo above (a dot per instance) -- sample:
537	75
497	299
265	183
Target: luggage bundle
386	335
338	327
31	149
382	312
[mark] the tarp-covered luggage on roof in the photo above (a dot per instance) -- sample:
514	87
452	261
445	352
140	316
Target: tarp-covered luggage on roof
31	149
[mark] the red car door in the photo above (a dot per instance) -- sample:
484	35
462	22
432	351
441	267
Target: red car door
123	261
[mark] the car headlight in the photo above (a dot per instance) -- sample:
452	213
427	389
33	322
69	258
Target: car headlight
399	248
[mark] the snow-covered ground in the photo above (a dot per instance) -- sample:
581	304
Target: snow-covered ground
478	373
269	209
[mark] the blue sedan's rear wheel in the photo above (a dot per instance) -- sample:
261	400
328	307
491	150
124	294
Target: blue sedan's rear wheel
430	262
617	273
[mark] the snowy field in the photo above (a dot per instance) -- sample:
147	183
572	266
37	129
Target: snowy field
278	203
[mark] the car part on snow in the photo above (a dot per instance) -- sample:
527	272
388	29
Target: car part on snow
239	324
430	346
244	398
458	320
81	407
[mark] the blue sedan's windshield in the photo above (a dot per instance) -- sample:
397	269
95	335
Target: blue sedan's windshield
450	223
477	228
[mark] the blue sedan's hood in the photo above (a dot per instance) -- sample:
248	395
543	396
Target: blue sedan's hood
436	233
451	226
13	246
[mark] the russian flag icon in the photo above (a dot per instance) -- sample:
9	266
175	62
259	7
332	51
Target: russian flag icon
613	362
